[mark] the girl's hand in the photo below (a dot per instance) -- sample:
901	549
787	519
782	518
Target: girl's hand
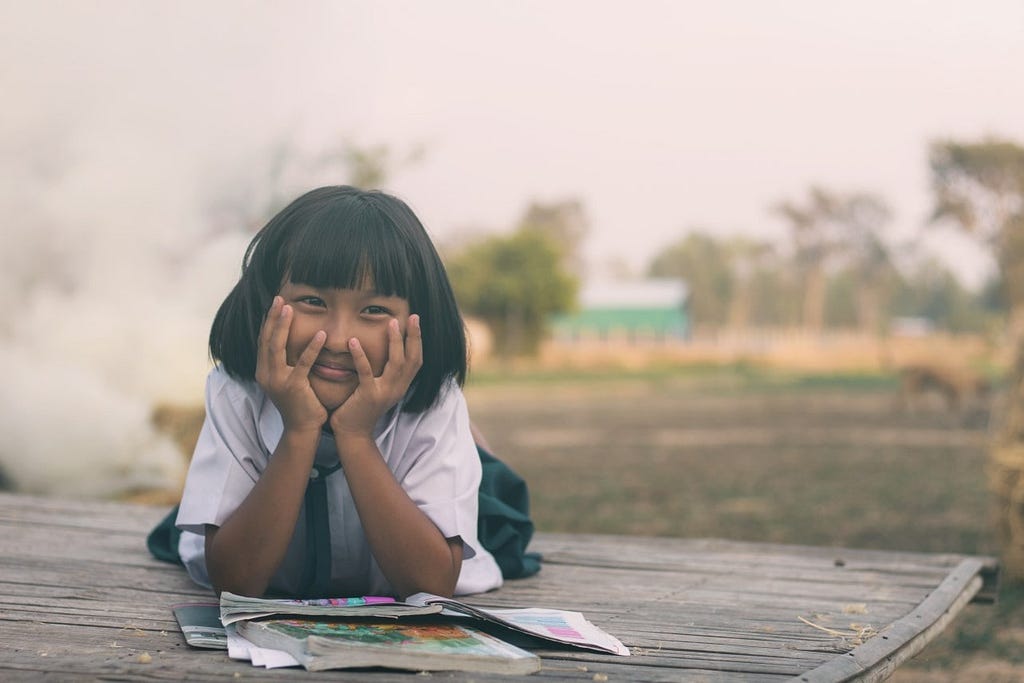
287	386
358	415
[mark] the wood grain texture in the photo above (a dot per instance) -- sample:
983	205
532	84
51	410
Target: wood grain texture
81	599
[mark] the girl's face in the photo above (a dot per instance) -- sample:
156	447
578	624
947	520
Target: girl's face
342	314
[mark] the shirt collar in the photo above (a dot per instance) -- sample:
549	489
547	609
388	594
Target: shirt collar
271	426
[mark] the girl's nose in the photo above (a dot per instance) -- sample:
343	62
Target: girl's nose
339	331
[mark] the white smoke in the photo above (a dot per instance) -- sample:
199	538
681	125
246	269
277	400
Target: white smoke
111	259
111	290
68	431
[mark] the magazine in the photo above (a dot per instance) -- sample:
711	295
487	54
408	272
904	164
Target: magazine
200	624
556	626
235	608
411	644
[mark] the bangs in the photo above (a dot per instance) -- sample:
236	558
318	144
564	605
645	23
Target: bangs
342	237
349	247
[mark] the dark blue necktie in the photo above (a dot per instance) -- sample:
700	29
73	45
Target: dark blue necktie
316	575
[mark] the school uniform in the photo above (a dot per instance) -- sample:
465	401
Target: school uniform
431	454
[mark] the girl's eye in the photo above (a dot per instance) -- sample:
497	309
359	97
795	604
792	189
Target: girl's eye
376	310
312	301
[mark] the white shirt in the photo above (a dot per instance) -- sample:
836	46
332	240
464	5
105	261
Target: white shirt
431	454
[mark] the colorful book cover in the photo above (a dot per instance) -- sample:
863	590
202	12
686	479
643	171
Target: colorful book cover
412	644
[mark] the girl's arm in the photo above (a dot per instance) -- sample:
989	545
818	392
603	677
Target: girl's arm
410	550
243	554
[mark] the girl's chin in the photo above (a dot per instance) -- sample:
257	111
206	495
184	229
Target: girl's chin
331	400
331	406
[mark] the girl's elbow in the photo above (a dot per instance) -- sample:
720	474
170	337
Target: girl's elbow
442	585
440	579
230	572
247	587
435	585
237	580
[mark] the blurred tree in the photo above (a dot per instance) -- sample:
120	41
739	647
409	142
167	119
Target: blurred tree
817	236
733	283
980	187
368	167
514	284
841	295
992	297
775	300
839	236
748	260
704	263
566	223
246	200
933	292
867	257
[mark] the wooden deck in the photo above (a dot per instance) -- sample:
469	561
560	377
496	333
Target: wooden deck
81	599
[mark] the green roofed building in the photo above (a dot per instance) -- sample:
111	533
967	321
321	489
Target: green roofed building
630	310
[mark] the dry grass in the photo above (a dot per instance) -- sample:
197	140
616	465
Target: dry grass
824	465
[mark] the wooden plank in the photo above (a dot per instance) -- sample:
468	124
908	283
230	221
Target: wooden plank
904	638
81	598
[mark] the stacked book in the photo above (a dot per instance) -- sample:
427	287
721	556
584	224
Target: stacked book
422	633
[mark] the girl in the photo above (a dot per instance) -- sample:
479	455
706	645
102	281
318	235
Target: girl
337	456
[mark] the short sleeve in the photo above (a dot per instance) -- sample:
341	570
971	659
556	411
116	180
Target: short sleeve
228	457
440	469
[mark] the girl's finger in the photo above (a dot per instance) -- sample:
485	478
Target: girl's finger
272	314
278	338
396	347
414	343
361	362
264	363
310	353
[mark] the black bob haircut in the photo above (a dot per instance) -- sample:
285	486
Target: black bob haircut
337	237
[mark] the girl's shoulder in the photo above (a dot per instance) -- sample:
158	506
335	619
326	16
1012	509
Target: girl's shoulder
240	407
222	388
451	394
450	404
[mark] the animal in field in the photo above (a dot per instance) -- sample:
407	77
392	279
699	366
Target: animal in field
922	384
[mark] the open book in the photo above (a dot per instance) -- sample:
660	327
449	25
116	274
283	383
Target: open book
560	627
556	626
239	607
413	644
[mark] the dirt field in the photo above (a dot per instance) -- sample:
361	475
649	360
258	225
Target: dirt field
833	462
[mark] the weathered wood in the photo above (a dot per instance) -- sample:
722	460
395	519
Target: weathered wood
80	598
876	659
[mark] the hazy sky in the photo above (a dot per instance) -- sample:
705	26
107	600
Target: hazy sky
659	116
122	121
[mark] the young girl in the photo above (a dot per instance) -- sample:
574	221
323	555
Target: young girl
337	458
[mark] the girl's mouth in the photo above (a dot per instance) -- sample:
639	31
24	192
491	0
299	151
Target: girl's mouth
332	373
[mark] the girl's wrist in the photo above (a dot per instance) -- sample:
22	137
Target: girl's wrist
301	436
353	442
